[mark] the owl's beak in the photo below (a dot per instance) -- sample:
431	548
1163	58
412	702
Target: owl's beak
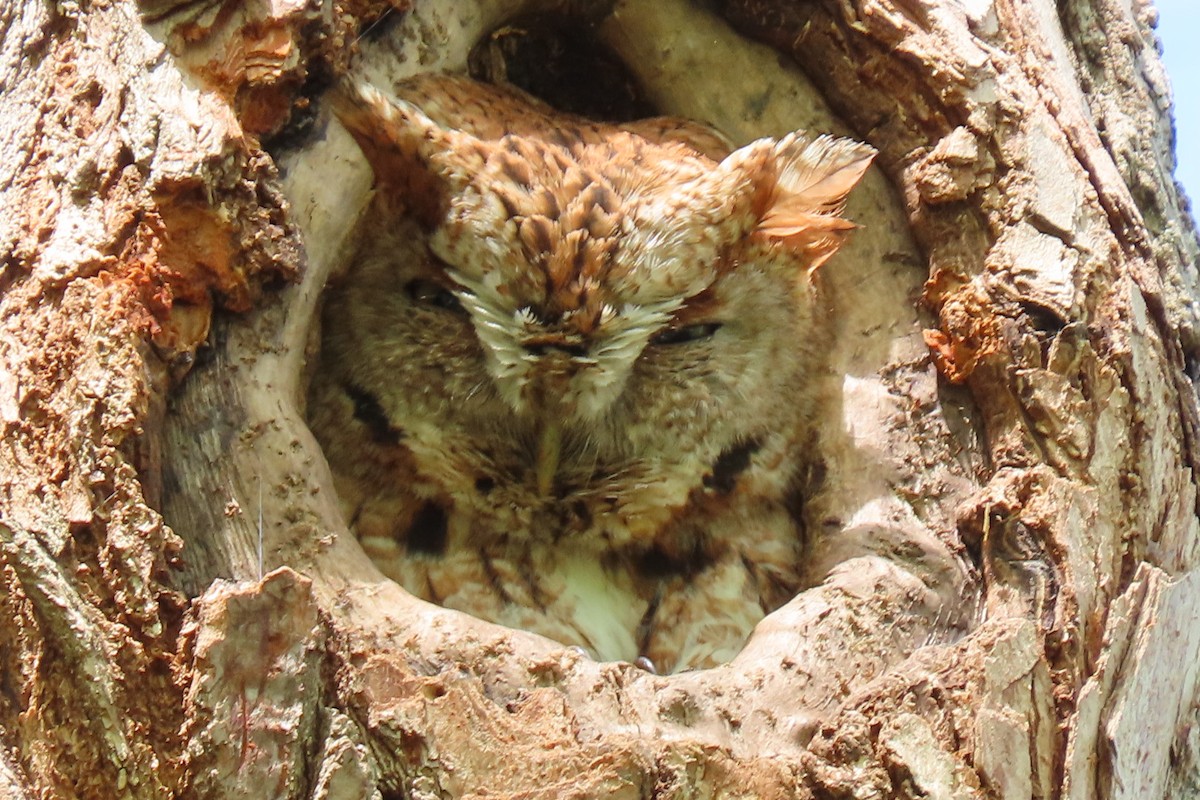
548	452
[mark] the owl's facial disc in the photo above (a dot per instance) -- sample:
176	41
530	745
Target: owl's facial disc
568	366
561	376
567	386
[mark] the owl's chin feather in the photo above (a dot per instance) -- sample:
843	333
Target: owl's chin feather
549	450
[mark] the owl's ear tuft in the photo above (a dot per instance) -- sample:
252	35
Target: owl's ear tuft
812	179
411	155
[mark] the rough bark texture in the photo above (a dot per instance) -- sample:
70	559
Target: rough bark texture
1009	481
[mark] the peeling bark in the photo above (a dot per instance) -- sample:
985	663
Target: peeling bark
1009	451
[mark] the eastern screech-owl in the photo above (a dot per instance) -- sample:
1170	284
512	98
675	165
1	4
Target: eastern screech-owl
565	381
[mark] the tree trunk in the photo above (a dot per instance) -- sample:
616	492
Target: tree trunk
1008	503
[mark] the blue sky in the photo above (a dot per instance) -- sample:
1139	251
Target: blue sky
1179	30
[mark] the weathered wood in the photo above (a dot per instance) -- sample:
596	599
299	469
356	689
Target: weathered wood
1008	513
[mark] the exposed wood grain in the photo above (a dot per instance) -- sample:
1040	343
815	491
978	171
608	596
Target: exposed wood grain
1010	450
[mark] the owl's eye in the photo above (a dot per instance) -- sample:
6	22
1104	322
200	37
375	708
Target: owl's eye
428	293
686	334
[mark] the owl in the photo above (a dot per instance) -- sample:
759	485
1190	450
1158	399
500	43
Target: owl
565	381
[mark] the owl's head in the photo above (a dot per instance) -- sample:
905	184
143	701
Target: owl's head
596	291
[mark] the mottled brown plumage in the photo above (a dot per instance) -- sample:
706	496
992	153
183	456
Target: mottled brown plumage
565	381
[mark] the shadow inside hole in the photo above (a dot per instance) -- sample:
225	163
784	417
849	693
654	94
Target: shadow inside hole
558	58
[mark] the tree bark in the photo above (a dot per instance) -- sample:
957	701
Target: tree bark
1007	502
